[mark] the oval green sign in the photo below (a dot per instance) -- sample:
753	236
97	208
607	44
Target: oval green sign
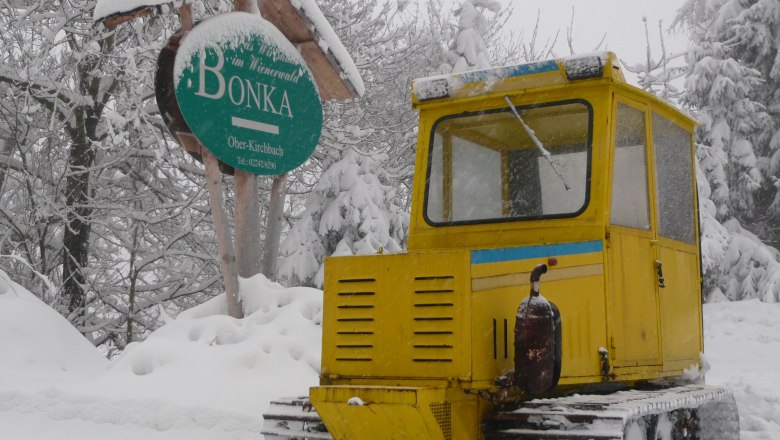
247	94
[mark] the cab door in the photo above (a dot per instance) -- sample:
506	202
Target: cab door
634	310
677	245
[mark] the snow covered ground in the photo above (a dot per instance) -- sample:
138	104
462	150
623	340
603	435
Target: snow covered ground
208	376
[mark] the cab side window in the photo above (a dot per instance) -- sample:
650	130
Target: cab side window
673	177
630	205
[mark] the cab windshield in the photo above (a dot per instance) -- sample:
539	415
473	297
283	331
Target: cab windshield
487	167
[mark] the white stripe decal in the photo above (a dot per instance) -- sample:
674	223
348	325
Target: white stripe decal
254	125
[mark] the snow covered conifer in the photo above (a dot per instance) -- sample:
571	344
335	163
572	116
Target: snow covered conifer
733	80
468	50
732	84
352	210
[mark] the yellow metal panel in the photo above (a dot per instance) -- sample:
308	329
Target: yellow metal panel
634	305
680	307
392	412
400	315
525	266
485	283
388	413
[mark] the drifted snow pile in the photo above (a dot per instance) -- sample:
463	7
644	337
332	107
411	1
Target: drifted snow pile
35	341
742	344
209	358
203	375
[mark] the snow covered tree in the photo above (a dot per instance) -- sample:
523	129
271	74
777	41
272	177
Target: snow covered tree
468	49
352	210
657	75
94	196
732	82
732	86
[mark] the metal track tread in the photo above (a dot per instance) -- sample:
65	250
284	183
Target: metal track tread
697	412
692	412
293	418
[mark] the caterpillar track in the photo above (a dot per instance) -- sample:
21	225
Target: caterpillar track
293	418
689	412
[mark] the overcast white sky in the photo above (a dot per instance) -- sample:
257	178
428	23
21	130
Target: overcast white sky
621	20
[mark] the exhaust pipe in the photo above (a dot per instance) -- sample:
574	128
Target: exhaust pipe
538	340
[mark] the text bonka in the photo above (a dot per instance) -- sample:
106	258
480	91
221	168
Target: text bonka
241	92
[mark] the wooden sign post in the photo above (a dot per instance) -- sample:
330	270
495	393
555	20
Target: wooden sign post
216	192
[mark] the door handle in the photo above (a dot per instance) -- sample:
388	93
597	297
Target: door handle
659	269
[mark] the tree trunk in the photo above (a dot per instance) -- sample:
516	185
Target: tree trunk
273	226
247	215
77	194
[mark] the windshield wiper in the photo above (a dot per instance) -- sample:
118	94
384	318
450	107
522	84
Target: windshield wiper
546	154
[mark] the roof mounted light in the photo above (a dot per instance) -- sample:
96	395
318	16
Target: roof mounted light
591	66
432	88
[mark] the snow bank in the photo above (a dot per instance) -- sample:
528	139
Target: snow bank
742	344
205	357
38	343
204	375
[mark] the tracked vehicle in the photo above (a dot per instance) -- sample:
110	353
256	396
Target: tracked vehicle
551	287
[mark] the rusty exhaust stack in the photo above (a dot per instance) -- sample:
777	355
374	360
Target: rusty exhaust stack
538	340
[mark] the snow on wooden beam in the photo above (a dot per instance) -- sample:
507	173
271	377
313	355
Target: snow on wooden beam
304	25
329	81
115	12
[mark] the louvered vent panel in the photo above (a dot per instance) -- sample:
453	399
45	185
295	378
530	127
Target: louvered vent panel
355	319
433	319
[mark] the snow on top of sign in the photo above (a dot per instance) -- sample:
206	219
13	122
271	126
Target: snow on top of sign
107	8
330	41
234	28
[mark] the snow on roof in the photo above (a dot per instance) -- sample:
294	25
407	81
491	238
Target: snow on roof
330	41
439	86
107	8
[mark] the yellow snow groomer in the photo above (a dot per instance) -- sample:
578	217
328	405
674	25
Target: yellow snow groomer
553	249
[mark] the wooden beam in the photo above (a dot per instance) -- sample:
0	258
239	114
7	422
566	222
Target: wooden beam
299	30
117	19
287	19
328	79
227	254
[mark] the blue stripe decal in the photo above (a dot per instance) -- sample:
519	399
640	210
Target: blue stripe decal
509	71
528	252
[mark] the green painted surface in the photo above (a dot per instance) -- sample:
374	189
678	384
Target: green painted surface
247	97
